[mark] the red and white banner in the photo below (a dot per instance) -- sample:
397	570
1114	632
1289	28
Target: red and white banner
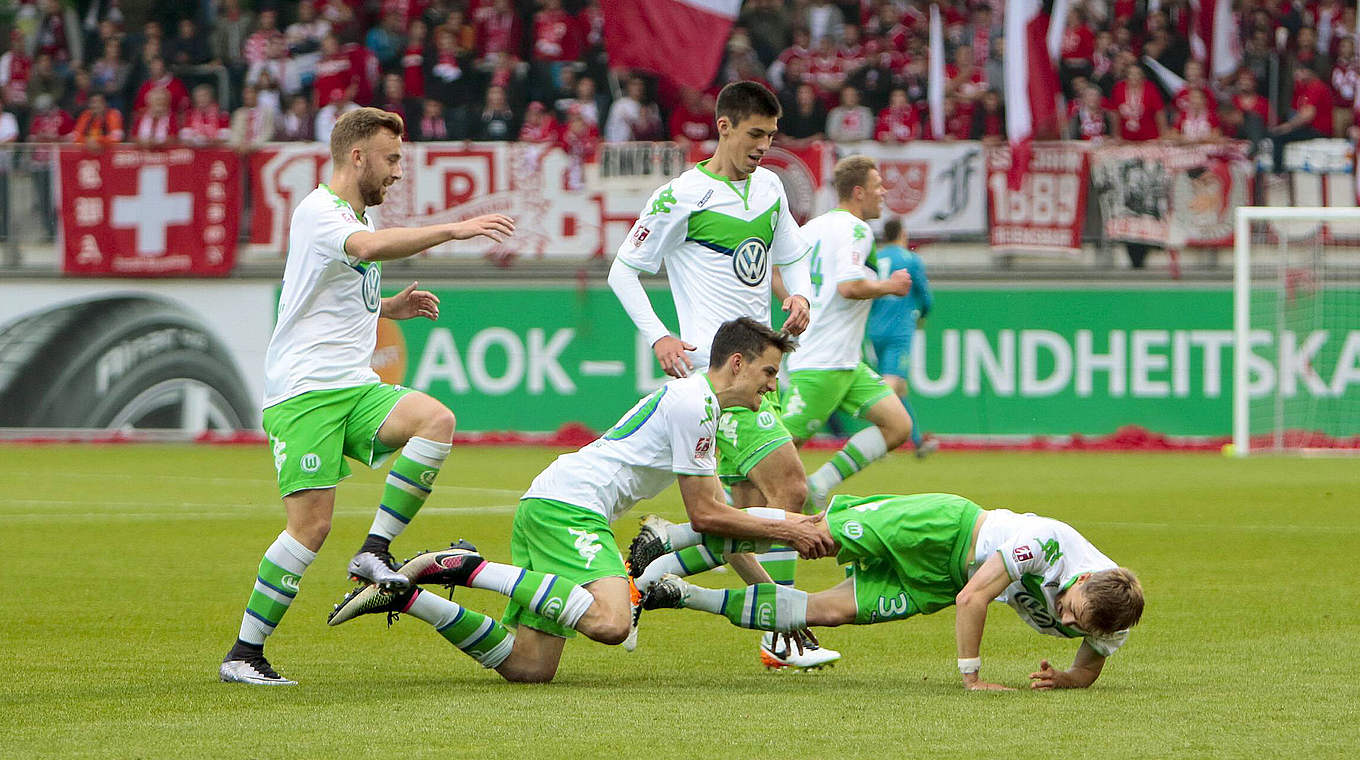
1171	195
1047	213
936	188
1214	38
145	213
679	39
1031	81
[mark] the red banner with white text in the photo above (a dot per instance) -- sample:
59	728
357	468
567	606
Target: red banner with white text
150	213
1047	213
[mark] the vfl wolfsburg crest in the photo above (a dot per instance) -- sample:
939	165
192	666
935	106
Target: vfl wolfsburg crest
372	287
750	260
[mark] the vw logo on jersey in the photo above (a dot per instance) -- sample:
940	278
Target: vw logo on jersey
749	261
372	286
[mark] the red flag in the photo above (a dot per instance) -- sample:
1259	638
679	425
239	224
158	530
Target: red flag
1214	37
1031	81
679	39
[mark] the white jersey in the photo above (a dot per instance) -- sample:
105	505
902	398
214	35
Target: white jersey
328	310
671	432
842	251
718	239
1043	557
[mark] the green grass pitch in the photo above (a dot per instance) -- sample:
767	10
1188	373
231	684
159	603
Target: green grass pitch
126	569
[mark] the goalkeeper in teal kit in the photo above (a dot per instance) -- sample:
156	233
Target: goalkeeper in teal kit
893	321
918	554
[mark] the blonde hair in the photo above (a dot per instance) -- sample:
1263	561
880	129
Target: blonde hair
1114	600
359	125
851	172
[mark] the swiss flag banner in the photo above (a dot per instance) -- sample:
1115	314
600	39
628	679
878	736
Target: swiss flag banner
150	213
679	39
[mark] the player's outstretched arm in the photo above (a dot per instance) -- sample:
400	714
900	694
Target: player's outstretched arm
401	242
1084	671
709	514
970	616
897	284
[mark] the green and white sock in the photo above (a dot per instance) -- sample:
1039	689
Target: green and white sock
276	584
408	485
864	448
699	552
481	638
763	606
546	594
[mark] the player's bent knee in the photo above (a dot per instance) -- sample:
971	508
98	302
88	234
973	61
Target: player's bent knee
538	673
439	426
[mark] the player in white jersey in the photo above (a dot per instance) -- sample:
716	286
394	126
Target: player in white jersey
567	574
323	402
827	374
720	228
918	554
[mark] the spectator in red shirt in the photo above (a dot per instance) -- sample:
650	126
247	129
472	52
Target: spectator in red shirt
557	36
252	125
413	59
1251	109
539	125
1078	48
206	123
1091	120
826	70
15	66
446	70
1198	123
799	49
693	120
1194	82
958	120
497	30
334	73
156	126
49	124
1311	117
161	79
1139	106
899	122
966	81
852	53
580	140
267	29
989	118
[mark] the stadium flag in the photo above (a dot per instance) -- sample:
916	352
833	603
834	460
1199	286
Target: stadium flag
1031	83
1213	37
679	39
1056	26
936	73
1172	82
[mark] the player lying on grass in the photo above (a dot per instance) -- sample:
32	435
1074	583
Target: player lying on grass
567	574
918	554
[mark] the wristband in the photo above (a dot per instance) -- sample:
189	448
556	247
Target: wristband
970	665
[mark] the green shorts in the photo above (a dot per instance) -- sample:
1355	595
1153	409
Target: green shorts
746	437
311	434
908	554
572	542
814	394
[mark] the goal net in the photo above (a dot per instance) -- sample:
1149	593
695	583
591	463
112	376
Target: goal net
1296	326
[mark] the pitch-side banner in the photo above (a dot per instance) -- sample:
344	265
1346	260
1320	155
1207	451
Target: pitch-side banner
1171	195
146	213
936	188
1047	212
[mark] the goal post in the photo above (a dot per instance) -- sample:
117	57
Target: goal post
1296	330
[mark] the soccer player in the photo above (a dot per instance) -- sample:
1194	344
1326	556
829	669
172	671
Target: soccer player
918	554
893	321
567	574
719	228
827	374
323	402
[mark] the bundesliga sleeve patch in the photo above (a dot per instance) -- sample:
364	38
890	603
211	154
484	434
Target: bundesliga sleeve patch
1022	553
640	234
703	447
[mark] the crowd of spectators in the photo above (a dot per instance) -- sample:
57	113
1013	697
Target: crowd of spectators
240	73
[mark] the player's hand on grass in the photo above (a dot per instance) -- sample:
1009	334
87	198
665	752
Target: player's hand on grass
809	535
1046	677
670	351
498	227
411	303
799	314
899	283
794	640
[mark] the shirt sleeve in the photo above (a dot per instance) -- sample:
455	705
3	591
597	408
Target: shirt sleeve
1106	645
788	245
920	285
693	421
851	260
659	228
334	225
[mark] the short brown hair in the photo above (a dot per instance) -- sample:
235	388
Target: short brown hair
1114	600
747	337
361	124
851	172
739	100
